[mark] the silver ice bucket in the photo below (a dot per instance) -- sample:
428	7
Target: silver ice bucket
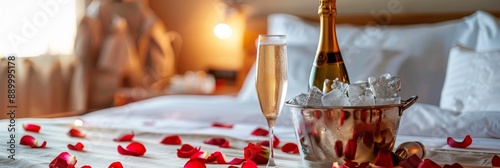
332	134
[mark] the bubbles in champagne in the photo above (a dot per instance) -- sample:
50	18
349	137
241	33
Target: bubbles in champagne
272	78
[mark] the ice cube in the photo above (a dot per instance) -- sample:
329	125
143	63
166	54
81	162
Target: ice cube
386	101
359	89
300	99
335	98
336	84
362	101
360	94
385	86
314	97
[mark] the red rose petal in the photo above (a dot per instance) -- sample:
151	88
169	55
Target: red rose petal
290	148
31	127
464	144
76	133
427	163
351	164
343	116
86	166
231	166
495	161
221	142
276	142
384	159
78	147
200	155
412	162
186	151
27	140
236	161
256	153
249	164
171	140
260	132
454	165
222	125
350	149
125	137
134	149
30	141
218	157
195	163
64	159
368	139
339	148
116	164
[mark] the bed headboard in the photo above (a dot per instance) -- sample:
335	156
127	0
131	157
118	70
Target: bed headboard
257	24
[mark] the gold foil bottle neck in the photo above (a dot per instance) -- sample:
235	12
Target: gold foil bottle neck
327	7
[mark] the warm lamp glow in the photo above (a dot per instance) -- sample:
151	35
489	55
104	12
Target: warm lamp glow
223	31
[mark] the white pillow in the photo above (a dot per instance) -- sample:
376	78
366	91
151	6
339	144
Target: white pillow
481	32
472	81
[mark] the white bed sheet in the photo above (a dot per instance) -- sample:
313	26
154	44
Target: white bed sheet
153	119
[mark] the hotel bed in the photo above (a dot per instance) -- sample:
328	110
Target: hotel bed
452	66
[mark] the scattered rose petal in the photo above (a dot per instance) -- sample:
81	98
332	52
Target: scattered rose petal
217	157
276	142
86	166
221	142
256	153
495	161
64	159
76	133
290	148
186	151
31	127
134	149
384	159
339	148
78	147
368	139
30	141
236	161
125	137
351	164
350	149
249	164
116	164
464	144
412	162
200	155
222	125
454	165
195	163
343	116
172	140
260	132
231	166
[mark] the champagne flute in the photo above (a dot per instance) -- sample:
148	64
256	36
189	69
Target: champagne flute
271	81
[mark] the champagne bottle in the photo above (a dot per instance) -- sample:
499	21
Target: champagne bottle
328	63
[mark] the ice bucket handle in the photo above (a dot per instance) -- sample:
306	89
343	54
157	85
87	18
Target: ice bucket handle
409	102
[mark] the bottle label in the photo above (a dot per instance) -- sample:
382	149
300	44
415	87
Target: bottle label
328	58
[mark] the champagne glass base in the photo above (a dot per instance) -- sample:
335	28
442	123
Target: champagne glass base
271	164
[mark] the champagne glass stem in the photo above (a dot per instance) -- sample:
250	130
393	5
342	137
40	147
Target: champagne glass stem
270	163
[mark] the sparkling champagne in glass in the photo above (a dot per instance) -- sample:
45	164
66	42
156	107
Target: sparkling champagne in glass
271	81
